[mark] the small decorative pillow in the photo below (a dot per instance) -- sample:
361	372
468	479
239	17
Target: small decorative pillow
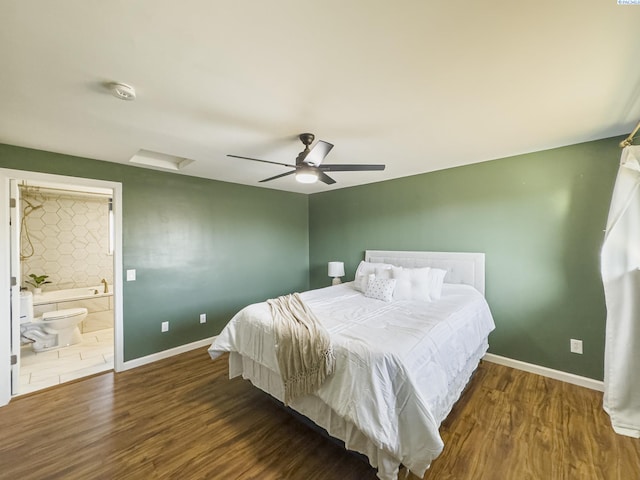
381	289
412	283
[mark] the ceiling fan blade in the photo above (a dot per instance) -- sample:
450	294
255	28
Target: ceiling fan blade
354	167
263	161
323	177
278	176
320	150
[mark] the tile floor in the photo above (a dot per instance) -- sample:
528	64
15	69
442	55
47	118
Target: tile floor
45	369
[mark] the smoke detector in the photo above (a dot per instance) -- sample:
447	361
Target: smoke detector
122	91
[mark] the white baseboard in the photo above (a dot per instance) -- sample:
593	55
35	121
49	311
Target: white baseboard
489	357
546	372
154	357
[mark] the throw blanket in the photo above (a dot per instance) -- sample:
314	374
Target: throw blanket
303	347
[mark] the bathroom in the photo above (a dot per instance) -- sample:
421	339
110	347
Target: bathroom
67	235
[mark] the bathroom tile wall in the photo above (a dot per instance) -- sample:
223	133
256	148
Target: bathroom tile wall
66	237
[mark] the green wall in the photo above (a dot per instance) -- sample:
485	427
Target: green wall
198	246
202	246
538	217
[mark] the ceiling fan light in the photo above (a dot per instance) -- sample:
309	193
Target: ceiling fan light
307	175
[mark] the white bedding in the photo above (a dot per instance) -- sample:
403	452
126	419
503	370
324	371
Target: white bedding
398	364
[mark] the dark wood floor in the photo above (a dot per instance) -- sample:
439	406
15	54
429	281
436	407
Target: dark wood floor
181	418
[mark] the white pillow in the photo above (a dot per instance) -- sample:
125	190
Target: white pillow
364	282
383	272
381	289
412	283
363	271
361	281
436	280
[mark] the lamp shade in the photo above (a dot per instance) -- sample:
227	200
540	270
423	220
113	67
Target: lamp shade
307	174
336	269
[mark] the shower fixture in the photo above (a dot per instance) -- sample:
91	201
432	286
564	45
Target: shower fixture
28	209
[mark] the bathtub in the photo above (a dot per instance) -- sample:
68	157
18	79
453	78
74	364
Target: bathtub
56	296
98	304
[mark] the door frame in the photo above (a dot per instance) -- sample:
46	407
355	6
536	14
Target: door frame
16	272
5	267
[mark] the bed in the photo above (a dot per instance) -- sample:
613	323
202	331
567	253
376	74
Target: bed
400	365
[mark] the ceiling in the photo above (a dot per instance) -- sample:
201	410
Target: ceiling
418	85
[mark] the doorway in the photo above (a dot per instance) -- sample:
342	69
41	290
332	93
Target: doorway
108	292
65	242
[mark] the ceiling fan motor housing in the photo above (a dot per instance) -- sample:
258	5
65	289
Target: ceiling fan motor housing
306	139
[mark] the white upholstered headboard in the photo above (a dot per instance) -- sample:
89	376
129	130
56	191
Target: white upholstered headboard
461	267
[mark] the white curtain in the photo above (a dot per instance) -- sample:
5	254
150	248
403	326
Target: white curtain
620	265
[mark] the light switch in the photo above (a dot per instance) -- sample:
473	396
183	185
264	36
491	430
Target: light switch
131	275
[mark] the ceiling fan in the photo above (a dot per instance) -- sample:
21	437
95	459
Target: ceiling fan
309	167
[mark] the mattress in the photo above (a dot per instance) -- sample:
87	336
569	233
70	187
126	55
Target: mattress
400	367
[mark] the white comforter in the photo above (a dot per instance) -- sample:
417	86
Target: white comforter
395	362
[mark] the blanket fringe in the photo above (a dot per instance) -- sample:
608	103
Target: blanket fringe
307	381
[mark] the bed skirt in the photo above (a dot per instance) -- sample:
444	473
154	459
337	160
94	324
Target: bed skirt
338	427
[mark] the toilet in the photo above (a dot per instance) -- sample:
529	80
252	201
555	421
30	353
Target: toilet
56	329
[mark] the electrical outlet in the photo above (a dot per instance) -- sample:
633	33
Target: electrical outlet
576	346
203	318
165	327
